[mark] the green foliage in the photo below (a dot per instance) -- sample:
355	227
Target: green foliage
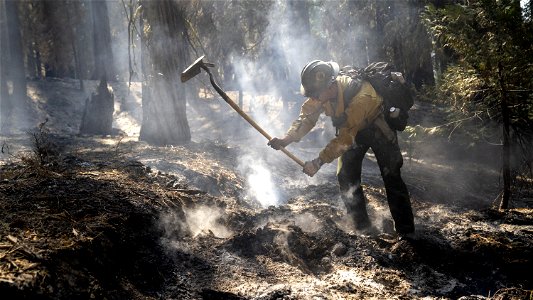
492	46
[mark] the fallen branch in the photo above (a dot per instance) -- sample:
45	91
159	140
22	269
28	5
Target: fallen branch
187	191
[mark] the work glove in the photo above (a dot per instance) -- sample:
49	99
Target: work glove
311	167
277	143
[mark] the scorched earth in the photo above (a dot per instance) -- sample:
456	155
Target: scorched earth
226	217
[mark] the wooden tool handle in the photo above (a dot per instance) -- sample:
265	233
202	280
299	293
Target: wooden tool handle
246	117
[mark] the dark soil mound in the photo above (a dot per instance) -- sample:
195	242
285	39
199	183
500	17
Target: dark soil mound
82	229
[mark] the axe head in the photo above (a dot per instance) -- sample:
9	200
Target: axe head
192	70
195	69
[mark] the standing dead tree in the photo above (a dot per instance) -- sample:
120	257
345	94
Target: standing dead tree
98	113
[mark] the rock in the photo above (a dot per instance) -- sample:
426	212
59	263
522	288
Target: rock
339	249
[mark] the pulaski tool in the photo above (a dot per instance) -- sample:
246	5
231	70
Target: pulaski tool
197	67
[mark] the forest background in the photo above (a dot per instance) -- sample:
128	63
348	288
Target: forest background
473	57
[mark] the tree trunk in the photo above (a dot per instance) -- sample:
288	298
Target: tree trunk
73	35
16	60
300	11
15	66
506	142
418	62
165	55
375	29
5	102
55	35
103	54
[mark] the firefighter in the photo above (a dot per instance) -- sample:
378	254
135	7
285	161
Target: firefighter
356	110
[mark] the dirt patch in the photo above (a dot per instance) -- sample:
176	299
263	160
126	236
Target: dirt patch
100	224
111	217
65	227
286	244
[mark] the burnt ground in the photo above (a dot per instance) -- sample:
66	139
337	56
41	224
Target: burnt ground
111	217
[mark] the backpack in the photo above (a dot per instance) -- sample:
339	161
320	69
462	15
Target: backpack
390	85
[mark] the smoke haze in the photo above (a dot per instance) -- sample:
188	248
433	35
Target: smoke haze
269	79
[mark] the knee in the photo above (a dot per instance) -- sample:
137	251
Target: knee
390	173
392	168
393	179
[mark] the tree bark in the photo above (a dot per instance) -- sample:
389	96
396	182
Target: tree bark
506	151
16	59
73	35
14	65
418	62
165	55
103	54
5	103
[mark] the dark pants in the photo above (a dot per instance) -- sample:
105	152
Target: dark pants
390	161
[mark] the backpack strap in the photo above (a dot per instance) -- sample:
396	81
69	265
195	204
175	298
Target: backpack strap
353	88
349	92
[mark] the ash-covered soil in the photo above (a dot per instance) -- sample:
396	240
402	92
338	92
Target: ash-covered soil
112	217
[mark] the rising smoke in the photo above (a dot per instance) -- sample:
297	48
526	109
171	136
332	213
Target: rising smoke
260	184
268	78
206	220
271	79
195	221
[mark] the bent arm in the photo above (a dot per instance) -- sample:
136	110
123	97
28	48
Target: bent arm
309	114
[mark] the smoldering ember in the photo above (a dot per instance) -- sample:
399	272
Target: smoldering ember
295	149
